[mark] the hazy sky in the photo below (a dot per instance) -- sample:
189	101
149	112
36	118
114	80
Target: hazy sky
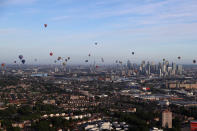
153	29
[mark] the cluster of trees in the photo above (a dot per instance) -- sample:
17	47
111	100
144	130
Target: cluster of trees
9	81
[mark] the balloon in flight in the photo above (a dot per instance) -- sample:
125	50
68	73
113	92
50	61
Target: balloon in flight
20	57
45	25
59	58
2	65
64	63
51	53
23	61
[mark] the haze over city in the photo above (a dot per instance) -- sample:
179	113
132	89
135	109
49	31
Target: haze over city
153	29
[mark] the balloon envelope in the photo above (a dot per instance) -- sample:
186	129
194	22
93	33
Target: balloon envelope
51	54
23	61
20	57
64	63
2	65
59	58
45	25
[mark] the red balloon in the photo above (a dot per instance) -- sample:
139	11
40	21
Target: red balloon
97	66
2	64
51	54
45	25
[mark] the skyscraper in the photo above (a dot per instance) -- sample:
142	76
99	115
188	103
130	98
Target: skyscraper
167	119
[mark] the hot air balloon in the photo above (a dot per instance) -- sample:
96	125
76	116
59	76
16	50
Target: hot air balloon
45	25
51	54
15	62
116	61
89	55
133	53
59	58
179	57
194	61
23	61
64	63
164	59
97	66
68	58
96	43
20	57
86	61
2	65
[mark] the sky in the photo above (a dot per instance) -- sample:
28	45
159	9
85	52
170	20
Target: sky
153	29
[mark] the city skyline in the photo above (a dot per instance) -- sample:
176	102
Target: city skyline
152	29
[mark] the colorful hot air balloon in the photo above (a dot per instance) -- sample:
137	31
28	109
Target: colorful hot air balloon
179	57
96	43
86	61
194	61
64	63
51	53
59	58
133	53
20	57
66	60
23	61
2	65
45	25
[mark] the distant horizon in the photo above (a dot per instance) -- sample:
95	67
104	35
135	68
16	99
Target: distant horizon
153	29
